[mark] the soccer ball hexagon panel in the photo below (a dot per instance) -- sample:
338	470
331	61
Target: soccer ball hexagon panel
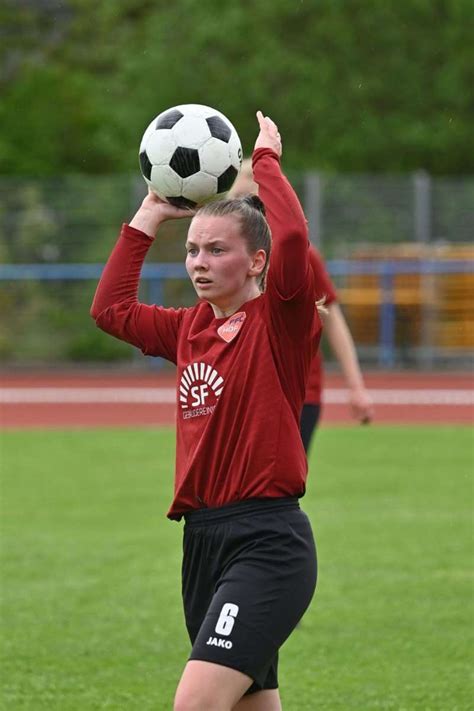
190	154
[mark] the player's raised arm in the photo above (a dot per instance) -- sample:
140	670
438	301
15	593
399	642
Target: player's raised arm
120	278
289	266
116	308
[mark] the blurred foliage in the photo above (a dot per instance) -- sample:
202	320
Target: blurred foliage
75	218
354	85
48	322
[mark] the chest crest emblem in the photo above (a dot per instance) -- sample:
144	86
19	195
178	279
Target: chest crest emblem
199	389
229	330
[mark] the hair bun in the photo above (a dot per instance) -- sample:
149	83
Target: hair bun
255	202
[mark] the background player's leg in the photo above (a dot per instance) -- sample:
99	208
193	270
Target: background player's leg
205	686
308	421
266	700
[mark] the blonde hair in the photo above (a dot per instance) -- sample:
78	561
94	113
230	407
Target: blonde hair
244	183
246	168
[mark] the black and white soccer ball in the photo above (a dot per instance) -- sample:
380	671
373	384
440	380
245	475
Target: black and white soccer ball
190	154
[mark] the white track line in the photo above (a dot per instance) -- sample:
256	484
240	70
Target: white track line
411	396
333	396
87	395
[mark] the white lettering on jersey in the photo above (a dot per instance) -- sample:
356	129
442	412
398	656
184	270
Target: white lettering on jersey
229	330
199	383
199	394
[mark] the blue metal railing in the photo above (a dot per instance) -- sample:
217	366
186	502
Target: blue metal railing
176	270
156	274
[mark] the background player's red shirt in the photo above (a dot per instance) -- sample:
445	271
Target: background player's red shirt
324	288
242	379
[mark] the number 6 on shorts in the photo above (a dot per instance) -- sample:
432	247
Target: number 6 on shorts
226	620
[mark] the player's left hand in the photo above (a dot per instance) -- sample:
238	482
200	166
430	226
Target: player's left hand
269	136
361	406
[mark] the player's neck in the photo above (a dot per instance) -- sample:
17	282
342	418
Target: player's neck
224	310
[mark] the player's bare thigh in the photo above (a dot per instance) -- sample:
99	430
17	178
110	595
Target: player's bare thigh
266	700
205	686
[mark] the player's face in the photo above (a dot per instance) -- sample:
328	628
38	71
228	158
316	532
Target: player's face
219	264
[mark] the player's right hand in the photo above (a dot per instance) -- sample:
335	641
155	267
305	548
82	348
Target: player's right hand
153	211
163	208
269	136
361	406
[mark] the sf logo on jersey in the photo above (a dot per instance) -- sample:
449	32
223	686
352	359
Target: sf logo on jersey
199	389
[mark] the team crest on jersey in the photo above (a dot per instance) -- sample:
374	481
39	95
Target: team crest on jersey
232	326
199	390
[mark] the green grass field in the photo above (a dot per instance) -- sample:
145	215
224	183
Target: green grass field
91	610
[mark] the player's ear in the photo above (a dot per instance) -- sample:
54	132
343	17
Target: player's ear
259	259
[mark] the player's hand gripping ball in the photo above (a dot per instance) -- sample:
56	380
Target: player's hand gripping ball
190	154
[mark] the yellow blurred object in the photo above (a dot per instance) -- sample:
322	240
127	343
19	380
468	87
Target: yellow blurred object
435	310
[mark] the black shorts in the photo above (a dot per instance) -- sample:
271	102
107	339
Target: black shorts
249	573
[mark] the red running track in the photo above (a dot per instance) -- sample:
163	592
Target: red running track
35	400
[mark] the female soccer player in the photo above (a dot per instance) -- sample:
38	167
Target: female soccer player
243	357
336	329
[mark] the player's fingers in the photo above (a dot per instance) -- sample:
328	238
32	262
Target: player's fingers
366	415
272	125
261	120
266	123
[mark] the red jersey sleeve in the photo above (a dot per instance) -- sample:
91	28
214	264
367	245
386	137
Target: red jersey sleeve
322	281
116	308
288	271
290	285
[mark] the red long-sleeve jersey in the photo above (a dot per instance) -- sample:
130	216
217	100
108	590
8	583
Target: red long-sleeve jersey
323	288
240	380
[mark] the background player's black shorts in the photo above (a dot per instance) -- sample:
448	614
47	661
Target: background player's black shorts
249	573
308	422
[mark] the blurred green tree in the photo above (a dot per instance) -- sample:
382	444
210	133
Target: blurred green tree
354	85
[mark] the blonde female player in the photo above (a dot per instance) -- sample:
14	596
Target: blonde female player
243	356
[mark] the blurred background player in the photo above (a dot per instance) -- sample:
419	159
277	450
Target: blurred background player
336	329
